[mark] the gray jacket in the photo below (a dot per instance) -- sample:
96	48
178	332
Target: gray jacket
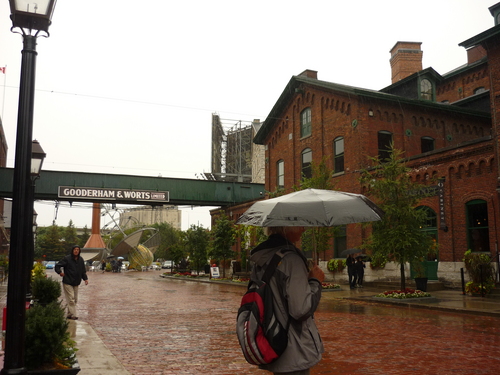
300	297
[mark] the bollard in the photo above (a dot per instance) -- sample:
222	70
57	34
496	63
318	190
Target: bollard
481	279
462	276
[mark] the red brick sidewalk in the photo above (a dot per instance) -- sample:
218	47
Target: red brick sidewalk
163	326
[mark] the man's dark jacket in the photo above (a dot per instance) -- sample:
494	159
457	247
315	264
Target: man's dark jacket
74	270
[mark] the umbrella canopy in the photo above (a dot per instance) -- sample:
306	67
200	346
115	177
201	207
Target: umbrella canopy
350	251
312	208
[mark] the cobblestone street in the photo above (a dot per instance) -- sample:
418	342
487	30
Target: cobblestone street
168	326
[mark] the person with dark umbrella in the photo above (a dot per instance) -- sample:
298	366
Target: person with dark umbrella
350	262
359	270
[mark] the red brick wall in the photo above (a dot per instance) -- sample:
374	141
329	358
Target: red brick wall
463	85
336	114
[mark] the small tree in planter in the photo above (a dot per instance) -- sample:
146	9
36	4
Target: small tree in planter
48	345
480	270
45	290
336	265
398	236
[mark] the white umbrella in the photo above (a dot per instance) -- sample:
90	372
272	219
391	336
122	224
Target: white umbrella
312	208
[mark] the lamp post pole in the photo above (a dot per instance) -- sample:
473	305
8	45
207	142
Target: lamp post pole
22	205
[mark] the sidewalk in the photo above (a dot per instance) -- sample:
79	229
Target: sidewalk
96	359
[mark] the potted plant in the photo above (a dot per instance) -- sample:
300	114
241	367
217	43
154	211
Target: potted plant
336	265
481	272
419	275
45	290
48	346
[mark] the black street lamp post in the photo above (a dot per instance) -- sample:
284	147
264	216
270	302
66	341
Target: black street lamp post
29	19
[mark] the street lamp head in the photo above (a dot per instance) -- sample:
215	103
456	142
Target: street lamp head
37	157
32	16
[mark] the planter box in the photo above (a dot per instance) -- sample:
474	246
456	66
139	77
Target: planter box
70	371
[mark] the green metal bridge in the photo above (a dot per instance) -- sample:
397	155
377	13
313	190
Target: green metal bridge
126	189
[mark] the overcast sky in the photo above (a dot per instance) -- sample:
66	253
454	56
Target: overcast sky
127	87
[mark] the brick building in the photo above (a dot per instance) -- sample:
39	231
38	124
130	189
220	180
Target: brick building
448	126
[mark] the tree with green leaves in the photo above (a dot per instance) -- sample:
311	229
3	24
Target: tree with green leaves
70	237
249	237
197	241
177	252
398	236
170	237
84	237
223	236
49	244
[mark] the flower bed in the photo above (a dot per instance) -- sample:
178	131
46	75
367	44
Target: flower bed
330	286
403	294
241	280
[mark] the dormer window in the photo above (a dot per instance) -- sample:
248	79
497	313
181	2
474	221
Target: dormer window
426	91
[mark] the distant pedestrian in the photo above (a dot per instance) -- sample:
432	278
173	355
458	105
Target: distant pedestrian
350	262
73	272
360	271
103	265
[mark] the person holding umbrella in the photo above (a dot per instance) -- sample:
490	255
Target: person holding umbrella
299	287
299	291
350	262
359	271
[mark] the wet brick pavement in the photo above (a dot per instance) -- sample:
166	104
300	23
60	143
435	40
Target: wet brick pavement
168	326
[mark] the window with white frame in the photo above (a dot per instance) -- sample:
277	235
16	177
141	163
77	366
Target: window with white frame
280	174
305	123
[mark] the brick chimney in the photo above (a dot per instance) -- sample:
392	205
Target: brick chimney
309	74
475	53
406	59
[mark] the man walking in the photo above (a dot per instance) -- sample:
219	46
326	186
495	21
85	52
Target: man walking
73	273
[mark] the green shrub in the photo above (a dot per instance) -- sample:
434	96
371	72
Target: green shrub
336	265
478	264
47	339
378	261
46	290
38	271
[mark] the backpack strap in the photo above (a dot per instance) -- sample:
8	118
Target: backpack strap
273	264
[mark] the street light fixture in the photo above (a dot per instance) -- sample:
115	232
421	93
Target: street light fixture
29	15
37	157
28	19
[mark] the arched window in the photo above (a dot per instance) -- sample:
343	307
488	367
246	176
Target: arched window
426	89
338	154
305	123
306	163
384	145
280	174
478	237
429	227
426	144
339	241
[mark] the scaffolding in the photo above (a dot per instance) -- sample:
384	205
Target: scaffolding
231	151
